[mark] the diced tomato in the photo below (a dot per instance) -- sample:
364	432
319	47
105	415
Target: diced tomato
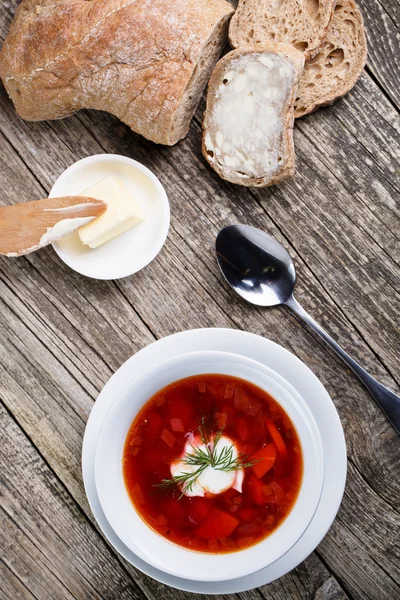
231	493
199	508
245	402
217	525
278	491
249	529
177	425
242	428
270	499
168	438
276	438
160	400
247	514
137	493
221	419
229	389
270	520
267	489
265	460
255	490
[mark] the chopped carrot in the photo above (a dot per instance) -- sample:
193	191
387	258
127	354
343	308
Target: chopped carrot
265	460
168	438
277	438
177	425
217	525
245	402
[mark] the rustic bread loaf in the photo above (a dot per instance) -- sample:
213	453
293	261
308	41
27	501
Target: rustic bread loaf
338	64
248	124
145	61
303	24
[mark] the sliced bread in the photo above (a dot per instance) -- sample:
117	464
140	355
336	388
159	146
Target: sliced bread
248	123
339	62
303	23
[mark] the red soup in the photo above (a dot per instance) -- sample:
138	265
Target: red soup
213	463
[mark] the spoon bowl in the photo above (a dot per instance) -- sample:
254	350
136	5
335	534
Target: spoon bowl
255	265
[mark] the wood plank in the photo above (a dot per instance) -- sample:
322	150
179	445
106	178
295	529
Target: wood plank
11	587
379	568
47	544
382	24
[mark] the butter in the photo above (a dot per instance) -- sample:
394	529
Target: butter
122	212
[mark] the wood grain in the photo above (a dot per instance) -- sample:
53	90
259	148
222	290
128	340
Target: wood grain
62	335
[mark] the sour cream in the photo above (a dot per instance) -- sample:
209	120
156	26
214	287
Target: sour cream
211	480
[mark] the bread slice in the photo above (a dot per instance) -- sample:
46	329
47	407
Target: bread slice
248	123
338	64
145	61
301	23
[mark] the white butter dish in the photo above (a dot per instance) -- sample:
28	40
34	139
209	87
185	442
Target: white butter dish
132	250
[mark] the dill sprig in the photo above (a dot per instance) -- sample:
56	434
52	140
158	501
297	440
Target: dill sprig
207	456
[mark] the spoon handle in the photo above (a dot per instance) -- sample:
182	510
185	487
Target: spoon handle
387	400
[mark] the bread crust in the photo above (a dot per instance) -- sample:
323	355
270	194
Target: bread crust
304	24
137	59
336	68
287	167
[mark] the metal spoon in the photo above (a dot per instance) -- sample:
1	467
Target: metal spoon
261	271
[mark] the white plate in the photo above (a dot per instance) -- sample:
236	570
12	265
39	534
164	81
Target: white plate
149	545
297	374
131	251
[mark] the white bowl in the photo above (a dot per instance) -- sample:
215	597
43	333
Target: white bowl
131	251
148	544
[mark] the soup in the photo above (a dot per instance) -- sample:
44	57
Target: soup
212	463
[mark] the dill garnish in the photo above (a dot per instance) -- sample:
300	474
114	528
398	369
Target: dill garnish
205	456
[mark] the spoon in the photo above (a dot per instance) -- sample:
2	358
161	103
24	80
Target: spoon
261	271
28	226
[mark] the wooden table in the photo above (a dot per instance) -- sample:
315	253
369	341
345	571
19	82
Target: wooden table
62	336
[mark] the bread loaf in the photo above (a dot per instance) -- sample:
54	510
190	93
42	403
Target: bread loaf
339	62
301	23
248	124
145	61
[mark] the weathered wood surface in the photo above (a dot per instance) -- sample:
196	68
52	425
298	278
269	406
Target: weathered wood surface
62	336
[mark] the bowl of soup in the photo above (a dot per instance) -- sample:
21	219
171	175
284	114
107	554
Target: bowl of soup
209	466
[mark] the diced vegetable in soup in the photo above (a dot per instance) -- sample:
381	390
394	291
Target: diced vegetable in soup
213	463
